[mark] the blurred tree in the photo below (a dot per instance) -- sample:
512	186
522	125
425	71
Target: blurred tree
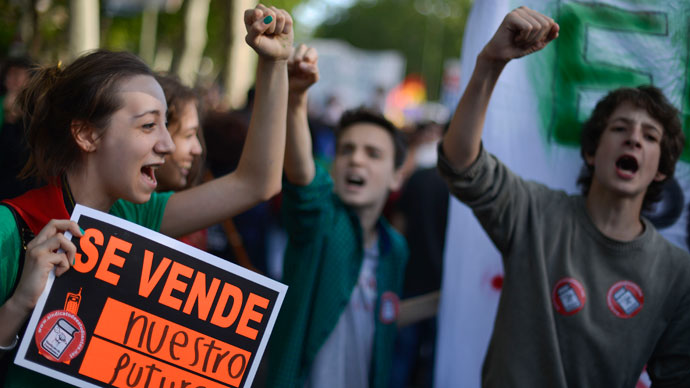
9	14
37	28
84	30
123	30
287	5
195	37
155	29
147	36
426	32
233	59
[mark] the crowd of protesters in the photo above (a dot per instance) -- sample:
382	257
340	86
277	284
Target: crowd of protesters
357	210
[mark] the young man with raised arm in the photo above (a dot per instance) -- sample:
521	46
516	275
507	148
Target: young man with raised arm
344	263
592	292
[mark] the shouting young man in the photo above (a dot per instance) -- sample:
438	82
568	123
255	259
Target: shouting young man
592	292
343	262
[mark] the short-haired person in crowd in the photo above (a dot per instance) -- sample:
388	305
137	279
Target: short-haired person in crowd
14	152
344	264
14	74
592	292
97	133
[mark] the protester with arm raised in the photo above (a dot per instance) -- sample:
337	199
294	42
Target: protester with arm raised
522	32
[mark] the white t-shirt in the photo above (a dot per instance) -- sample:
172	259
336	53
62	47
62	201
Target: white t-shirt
344	359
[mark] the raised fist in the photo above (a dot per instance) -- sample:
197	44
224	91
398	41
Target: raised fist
522	32
302	68
269	32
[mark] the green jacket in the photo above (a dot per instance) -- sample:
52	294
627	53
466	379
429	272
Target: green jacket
321	266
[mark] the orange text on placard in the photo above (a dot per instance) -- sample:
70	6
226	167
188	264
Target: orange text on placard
120	367
170	342
179	277
111	256
176	278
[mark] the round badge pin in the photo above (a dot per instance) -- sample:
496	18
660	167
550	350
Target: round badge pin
625	299
60	336
568	296
390	307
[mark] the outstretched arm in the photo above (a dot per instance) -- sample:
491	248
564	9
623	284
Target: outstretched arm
302	73
258	174
522	32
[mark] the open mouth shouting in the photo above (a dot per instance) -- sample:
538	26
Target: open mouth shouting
626	166
354	181
148	172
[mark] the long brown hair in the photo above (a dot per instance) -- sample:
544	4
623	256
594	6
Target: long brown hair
177	96
85	90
